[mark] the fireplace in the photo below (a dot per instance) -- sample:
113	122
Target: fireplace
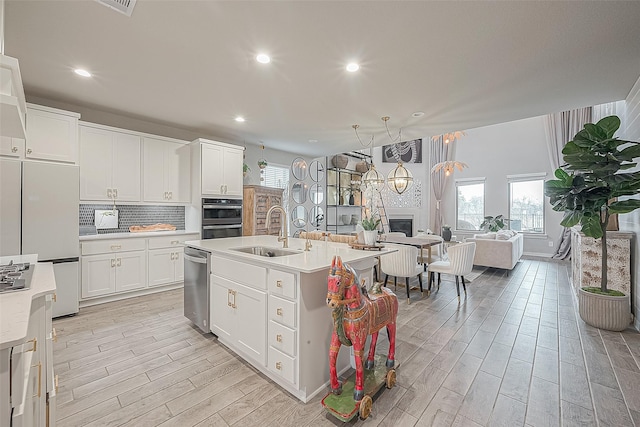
403	225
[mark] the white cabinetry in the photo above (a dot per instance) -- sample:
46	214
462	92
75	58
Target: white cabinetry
11	147
166	171
109	165
221	169
52	134
28	395
165	259
113	266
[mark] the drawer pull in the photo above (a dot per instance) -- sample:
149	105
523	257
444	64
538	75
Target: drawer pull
279	338
116	247
279	283
39	365
279	312
54	335
175	242
278	366
35	344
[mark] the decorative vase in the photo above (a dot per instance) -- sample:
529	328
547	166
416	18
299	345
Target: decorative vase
345	219
370	237
446	234
603	311
352	199
362	167
339	161
354	219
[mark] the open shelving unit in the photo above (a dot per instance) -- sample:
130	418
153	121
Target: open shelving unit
344	198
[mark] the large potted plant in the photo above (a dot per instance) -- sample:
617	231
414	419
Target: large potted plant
584	189
493	223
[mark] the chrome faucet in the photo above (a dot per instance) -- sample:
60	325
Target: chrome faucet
283	224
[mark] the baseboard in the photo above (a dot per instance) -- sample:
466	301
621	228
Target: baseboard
127	295
537	254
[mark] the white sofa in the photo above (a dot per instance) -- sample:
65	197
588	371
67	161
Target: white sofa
498	250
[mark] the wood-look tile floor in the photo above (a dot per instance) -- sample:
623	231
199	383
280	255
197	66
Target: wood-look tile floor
513	353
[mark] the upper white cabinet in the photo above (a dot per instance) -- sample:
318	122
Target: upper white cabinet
166	171
11	147
52	134
109	165
221	169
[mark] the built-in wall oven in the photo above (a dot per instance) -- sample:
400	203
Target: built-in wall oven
221	218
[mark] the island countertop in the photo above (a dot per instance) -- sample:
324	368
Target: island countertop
318	258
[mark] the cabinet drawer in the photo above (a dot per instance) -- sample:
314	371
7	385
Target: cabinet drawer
282	338
282	365
170	241
242	272
282	283
282	311
111	246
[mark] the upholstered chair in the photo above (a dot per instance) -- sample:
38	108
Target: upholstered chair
402	263
460	263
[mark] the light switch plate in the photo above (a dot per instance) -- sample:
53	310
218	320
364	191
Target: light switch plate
106	219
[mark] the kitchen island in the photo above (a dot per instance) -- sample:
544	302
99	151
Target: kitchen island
272	311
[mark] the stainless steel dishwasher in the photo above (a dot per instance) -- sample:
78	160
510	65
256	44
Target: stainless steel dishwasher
197	267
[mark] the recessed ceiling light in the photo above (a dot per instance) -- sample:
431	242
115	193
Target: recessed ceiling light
417	114
239	119
353	67
263	58
82	72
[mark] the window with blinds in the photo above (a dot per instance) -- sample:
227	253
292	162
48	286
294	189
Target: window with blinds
275	177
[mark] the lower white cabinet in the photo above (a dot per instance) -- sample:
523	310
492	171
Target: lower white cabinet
26	372
110	267
109	273
238	313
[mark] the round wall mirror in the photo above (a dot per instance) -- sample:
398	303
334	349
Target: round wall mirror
316	216
316	171
299	192
316	194
299	216
299	168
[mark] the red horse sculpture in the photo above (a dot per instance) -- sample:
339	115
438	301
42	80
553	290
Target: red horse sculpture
356	315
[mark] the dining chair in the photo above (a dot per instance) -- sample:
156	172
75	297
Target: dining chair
402	263
460	263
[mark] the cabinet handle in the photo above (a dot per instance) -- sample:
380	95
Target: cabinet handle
170	195
165	195
54	335
221	189
35	344
279	338
228	298
39	365
29	151
55	297
172	254
234	300
119	263
175	242
14	149
56	383
279	283
116	247
278	366
115	193
109	193
113	262
279	312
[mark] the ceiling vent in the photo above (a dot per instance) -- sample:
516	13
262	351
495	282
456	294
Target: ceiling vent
122	6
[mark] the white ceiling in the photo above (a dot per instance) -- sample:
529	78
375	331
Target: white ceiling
190	64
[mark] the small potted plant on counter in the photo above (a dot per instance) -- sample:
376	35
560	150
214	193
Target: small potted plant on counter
370	226
594	162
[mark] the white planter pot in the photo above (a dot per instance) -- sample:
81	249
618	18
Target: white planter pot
370	237
604	312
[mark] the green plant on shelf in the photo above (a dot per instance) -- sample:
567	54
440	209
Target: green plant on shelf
371	223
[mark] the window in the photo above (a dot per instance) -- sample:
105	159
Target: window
469	204
526	203
277	177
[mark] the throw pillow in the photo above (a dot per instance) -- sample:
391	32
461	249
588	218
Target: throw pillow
487	236
505	234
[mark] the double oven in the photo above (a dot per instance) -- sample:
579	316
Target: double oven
221	218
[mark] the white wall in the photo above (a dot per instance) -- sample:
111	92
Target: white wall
631	221
492	153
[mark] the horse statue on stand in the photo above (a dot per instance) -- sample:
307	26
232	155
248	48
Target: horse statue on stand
357	314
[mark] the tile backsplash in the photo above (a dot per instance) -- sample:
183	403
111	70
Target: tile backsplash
135	215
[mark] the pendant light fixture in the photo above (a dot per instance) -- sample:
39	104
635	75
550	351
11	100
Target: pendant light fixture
262	164
400	179
371	178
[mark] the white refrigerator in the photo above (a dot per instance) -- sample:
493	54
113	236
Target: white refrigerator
47	222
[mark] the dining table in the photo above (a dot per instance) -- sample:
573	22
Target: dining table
421	242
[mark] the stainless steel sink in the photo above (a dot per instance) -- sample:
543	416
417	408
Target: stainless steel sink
266	251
